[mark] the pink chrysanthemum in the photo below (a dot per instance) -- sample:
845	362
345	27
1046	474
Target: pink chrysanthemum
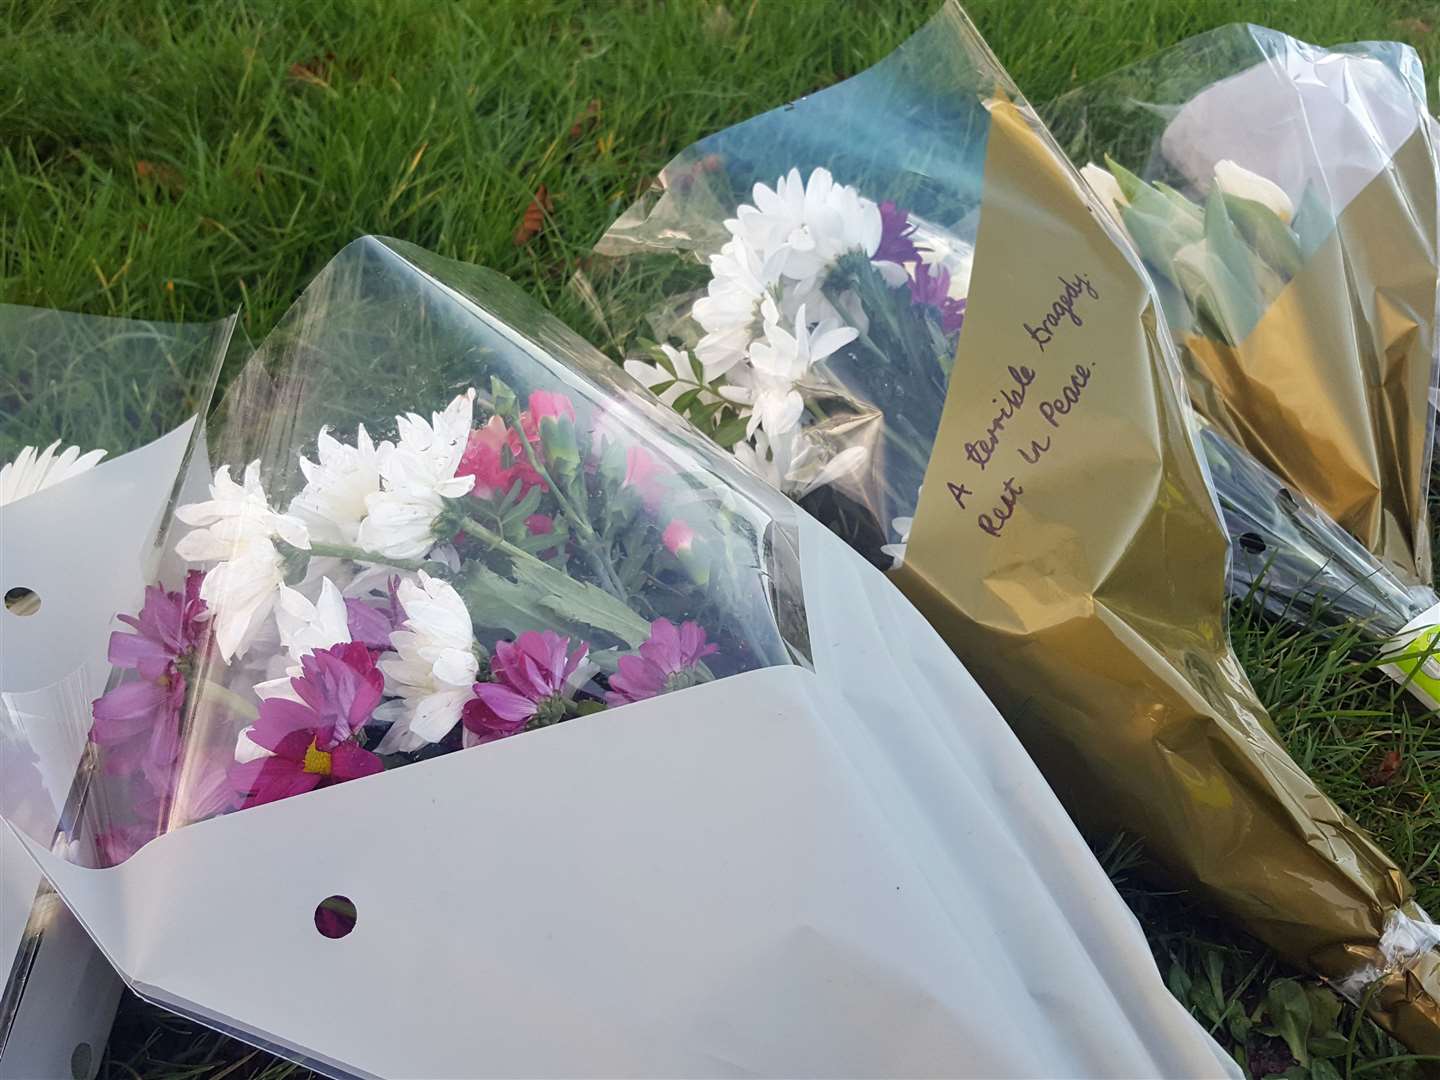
138	722
669	660
530	681
311	741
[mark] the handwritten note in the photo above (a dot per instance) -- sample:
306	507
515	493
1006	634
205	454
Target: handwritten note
1058	396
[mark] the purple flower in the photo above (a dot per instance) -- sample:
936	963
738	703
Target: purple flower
932	289
310	740
896	231
530	677
372	625
138	722
667	661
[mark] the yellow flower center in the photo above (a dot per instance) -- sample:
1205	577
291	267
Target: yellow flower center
316	760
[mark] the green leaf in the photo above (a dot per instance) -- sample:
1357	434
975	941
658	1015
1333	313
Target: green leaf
1289	1008
1267	234
731	431
537	596
685	400
1131	186
1214	968
1182	206
1331	1044
1180	983
1324	1010
1323	1070
701	415
589	707
697	368
1234	287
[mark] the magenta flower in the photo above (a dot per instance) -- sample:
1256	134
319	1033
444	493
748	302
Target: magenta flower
896	231
311	741
138	722
932	289
669	660
530	677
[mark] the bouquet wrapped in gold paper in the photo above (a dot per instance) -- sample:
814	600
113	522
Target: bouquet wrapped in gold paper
1295	253
896	301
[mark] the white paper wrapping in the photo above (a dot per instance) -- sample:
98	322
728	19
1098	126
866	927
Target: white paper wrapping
851	871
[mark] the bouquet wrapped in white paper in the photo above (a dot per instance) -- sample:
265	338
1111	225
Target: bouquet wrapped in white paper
485	721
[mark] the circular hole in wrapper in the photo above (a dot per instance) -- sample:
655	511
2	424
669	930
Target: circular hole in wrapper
1254	543
82	1059
335	916
22	601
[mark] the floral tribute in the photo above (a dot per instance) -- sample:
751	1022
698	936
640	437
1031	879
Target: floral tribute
823	307
495	568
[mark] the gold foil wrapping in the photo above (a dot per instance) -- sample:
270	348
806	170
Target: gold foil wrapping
1331	388
1068	547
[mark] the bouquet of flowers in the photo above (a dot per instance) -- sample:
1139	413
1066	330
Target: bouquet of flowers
897	302
687	780
99	414
1295	254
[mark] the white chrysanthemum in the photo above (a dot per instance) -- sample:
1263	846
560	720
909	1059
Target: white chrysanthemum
1237	180
34	470
417	475
741	279
337	485
807	225
767	458
902	527
433	670
789	463
778	363
236	529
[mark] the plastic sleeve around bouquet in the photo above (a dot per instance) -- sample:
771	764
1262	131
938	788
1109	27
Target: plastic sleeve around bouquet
708	798
97	416
896	301
1284	199
1297	564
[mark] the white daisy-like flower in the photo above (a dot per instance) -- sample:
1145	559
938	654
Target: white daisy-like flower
729	312
778	363
417	475
34	470
237	529
807	224
1233	179
433	670
902	527
303	628
337	485
767	458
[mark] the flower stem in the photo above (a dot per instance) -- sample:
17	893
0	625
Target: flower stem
583	532
345	551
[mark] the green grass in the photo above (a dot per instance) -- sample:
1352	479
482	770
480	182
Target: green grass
169	160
